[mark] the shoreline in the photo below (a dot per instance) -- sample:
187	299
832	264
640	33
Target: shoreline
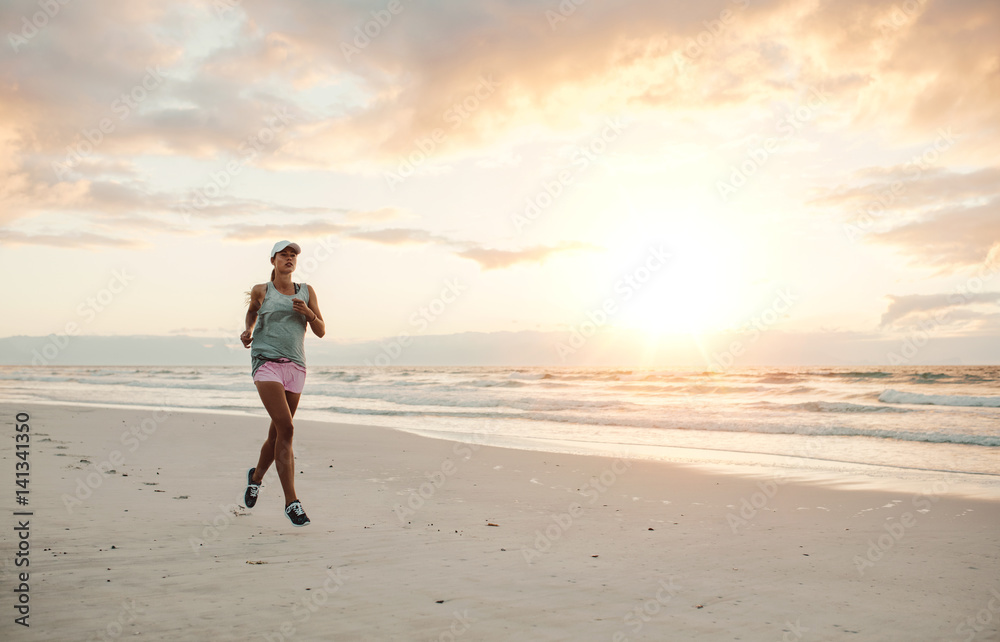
750	464
419	538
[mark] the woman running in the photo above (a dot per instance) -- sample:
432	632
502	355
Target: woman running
281	309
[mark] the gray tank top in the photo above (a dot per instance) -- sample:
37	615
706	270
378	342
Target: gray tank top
280	331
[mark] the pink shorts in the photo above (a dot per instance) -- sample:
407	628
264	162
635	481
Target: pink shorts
288	373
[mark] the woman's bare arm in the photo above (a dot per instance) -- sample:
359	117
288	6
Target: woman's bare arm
256	299
316	323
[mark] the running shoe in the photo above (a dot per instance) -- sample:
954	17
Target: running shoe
296	514
250	496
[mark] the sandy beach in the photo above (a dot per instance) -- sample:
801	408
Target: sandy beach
135	534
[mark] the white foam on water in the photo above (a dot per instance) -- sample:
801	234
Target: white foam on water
895	396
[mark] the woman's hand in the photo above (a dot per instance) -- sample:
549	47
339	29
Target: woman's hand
246	338
300	306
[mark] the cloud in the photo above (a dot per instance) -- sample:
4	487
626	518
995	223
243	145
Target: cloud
376	216
923	66
243	207
492	259
131	209
312	229
487	258
70	239
942	310
348	229
641	56
399	236
486	75
479	72
407	82
951	238
907	188
937	217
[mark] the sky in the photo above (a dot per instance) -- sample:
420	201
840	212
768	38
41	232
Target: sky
706	179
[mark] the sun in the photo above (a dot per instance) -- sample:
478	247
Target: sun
695	294
705	285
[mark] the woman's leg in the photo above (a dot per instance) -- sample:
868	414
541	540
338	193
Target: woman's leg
266	455
272	394
267	450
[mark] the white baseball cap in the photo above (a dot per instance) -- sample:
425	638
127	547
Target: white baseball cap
280	245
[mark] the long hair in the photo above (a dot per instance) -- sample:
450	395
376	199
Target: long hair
249	293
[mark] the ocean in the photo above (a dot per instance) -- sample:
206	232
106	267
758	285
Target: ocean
903	422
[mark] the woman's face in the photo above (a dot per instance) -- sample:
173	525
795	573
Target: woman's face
284	261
